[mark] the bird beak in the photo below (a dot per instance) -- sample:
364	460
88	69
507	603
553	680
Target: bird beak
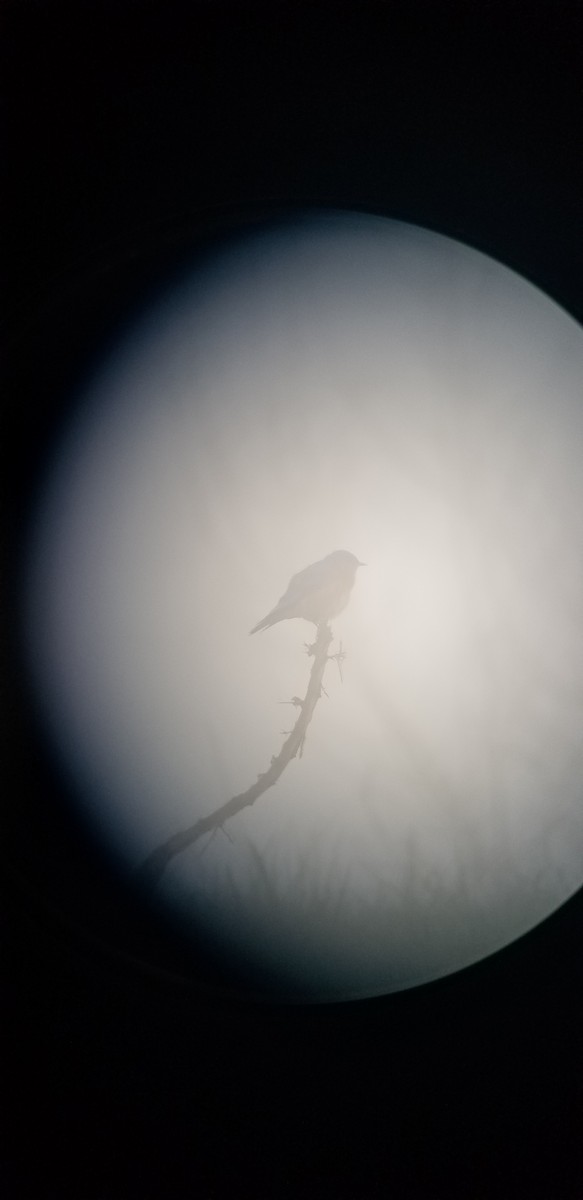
360	564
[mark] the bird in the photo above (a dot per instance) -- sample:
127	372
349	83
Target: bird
317	593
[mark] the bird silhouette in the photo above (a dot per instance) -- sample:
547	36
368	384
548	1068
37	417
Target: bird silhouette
317	593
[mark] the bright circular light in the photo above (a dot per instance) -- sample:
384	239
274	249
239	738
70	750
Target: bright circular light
337	381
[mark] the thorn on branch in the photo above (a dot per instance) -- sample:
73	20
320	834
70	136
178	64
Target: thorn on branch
339	658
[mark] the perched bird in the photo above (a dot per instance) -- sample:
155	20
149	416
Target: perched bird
317	593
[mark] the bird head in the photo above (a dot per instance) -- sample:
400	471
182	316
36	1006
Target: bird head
347	561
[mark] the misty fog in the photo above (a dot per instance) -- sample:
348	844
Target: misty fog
339	382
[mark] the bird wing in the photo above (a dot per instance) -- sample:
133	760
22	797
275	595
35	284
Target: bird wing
316	593
299	586
305	581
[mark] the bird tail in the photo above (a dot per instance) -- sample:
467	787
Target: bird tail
264	624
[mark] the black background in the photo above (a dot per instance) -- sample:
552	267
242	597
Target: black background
131	129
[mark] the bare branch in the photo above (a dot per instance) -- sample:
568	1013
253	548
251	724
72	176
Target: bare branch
152	869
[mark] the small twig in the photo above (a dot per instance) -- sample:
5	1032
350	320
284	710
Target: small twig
217	829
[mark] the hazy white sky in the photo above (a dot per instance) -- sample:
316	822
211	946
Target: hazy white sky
347	383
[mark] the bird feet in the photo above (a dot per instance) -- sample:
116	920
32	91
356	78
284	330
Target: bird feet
312	649
322	642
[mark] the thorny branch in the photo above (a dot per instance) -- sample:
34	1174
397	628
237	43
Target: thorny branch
152	869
